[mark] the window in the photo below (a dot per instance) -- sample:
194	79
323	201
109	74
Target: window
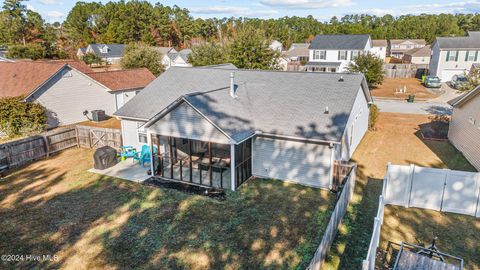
471	56
142	135
333	70
354	54
342	55
452	56
319	55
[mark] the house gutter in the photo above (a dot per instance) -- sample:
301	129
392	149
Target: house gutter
266	134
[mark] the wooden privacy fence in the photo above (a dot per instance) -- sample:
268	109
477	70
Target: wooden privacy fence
436	189
404	70
340	172
335	221
20	152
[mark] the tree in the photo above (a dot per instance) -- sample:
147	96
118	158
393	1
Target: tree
473	80
91	58
250	50
371	67
15	12
208	54
21	118
139	55
30	51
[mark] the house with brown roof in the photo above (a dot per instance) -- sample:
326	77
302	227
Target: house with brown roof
68	89
397	47
418	56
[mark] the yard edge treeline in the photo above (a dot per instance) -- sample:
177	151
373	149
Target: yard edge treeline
157	24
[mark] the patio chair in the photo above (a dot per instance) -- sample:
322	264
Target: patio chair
127	151
144	156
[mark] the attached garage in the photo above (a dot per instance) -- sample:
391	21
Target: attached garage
447	74
304	163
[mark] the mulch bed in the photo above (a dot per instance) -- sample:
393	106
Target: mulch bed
436	130
214	193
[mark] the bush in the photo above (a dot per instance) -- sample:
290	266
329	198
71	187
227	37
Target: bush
138	55
373	118
21	118
30	51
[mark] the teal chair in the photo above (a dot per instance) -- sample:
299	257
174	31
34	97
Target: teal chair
128	152
144	156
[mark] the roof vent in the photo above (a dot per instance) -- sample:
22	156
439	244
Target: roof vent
233	94
341	79
326	110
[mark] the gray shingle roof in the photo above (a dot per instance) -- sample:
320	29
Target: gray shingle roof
472	41
324	64
114	50
339	42
283	103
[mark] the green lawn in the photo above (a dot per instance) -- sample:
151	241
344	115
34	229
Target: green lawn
54	207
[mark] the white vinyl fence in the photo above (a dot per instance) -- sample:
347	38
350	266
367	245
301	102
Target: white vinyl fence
437	189
414	186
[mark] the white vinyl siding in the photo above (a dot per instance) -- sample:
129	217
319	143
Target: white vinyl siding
185	122
130	134
69	94
464	131
299	162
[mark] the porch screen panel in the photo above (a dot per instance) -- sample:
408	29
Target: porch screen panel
243	161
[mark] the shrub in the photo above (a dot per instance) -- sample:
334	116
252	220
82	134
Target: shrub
21	118
138	55
30	51
373	118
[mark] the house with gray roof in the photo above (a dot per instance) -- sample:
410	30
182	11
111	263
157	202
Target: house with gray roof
110	53
174	58
464	128
454	55
218	127
333	53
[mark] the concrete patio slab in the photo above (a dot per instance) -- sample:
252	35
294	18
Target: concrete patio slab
126	170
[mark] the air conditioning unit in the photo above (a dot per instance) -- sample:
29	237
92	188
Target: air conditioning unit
98	115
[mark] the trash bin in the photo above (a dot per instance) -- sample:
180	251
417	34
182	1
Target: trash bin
411	98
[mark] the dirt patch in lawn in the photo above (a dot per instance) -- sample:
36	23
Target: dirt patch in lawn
458	235
56	207
111	122
413	87
397	139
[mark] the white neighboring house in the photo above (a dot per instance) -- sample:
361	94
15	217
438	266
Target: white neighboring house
110	53
175	58
333	53
68	89
3	57
398	47
379	48
276	46
454	55
464	129
164	51
290	126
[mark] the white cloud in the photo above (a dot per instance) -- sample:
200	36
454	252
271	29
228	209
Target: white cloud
233	10
55	14
377	12
307	4
48	2
453	7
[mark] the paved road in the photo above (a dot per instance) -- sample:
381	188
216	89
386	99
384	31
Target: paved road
439	108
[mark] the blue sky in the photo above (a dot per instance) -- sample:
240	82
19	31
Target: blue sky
57	10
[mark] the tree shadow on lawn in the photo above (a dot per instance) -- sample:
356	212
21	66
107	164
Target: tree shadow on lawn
92	221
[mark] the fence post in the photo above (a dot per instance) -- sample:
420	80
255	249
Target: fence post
447	172
365	265
47	147
409	185
77	136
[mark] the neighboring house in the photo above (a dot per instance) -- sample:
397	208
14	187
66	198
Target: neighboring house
379	48
110	53
418	56
176	59
276	46
397	47
454	55
283	62
164	51
65	88
218	127
333	53
464	130
297	56
124	84
3	57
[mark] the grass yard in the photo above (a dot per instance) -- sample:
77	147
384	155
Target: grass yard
55	207
414	86
397	139
458	235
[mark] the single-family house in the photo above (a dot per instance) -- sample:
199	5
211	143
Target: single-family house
67	89
175	58
397	47
296	56
454	55
418	56
3	56
110	53
379	48
464	130
218	127
333	53
276	45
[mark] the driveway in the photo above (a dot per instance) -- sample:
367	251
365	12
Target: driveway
401	106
